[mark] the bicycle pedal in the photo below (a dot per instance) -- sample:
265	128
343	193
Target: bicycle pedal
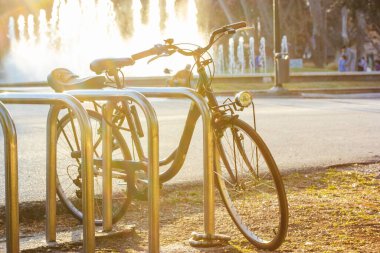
77	182
76	154
78	193
141	195
142	182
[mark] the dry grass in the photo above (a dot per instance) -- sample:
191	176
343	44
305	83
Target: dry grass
331	210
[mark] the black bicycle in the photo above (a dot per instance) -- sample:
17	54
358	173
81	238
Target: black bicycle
248	179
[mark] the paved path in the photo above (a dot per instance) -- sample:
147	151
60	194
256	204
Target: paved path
301	133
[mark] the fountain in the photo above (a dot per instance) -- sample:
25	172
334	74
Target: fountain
220	60
252	65
284	45
78	32
240	55
262	56
81	31
231	56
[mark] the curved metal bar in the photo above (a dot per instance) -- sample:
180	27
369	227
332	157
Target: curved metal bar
107	165
169	158
11	181
87	152
199	101
51	173
153	158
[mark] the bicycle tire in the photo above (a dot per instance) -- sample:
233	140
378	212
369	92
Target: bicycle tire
71	177
245	181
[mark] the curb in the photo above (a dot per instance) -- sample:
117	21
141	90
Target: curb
302	93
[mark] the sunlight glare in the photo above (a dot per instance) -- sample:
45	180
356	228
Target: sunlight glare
81	31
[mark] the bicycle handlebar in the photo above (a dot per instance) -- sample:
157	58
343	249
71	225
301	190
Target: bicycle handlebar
233	26
160	49
156	50
101	65
237	25
106	64
228	28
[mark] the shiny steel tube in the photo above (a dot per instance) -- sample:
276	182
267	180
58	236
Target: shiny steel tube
51	173
199	101
11	181
153	158
107	166
87	153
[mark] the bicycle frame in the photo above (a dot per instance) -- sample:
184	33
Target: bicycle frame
178	156
220	123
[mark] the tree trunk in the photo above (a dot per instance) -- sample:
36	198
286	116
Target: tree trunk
344	13
361	25
319	32
266	22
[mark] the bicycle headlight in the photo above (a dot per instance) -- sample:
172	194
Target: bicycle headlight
243	99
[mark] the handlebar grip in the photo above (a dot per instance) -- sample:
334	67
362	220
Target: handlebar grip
237	25
226	28
144	54
101	65
156	50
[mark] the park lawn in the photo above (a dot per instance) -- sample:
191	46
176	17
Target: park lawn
220	87
312	69
331	209
332	85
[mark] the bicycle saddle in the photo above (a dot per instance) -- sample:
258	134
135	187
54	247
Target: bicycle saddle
103	65
62	79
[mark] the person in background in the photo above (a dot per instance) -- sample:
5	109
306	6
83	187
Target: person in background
342	63
350	58
377	65
182	78
362	64
258	63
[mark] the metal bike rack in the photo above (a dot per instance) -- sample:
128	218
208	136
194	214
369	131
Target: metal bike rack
11	181
57	100
153	157
208	154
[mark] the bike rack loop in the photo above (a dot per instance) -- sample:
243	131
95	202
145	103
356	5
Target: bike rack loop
57	100
153	158
11	181
208	156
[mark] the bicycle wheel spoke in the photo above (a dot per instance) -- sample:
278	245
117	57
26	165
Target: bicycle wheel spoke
97	138
74	131
255	201
69	143
69	180
225	179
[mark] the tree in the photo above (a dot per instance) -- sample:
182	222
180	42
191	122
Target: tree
364	16
296	19
318	40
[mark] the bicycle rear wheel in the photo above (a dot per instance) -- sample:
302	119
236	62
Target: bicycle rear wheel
69	180
251	186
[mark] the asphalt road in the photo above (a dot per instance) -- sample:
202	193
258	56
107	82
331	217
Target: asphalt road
301	133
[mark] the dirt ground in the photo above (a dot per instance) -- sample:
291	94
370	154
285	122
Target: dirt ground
331	210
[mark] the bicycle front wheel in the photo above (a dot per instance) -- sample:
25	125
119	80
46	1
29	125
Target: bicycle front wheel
69	166
250	185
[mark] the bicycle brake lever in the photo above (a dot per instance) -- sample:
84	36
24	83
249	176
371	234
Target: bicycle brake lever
161	55
230	31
